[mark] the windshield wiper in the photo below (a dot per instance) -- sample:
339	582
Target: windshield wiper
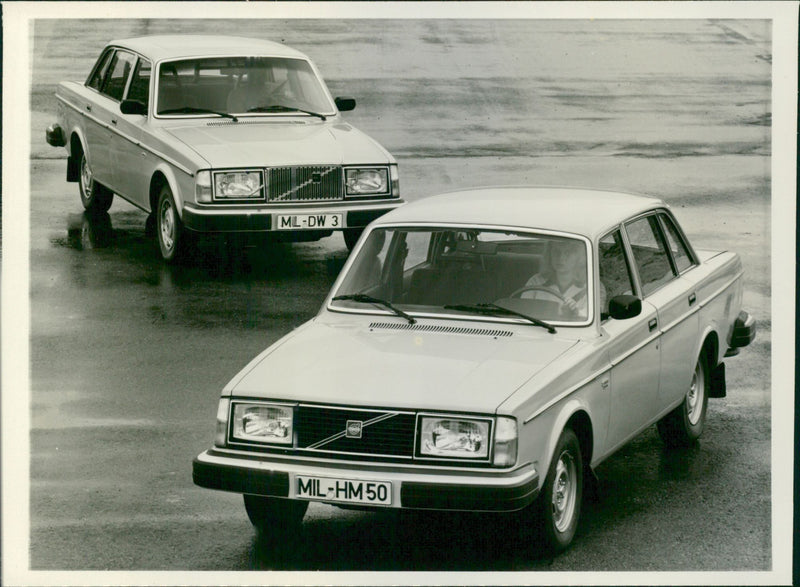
494	309
282	108
193	110
364	298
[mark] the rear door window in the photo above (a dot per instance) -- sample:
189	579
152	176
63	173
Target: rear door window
649	253
117	78
100	70
680	253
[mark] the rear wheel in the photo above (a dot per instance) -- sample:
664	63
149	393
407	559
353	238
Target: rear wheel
560	502
275	517
684	425
95	197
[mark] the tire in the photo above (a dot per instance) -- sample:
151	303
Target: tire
274	517
351	236
95	197
562	494
684	425
169	228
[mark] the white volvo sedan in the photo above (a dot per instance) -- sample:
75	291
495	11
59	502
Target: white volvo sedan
216	134
483	351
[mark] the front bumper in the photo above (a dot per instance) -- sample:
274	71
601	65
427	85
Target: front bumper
438	489
217	219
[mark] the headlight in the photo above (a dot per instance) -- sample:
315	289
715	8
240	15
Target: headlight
505	442
454	437
267	423
367	181
238	185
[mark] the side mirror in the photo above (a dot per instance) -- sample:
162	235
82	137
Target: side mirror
345	104
624	306
133	107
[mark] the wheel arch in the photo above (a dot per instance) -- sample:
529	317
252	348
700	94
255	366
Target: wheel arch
74	149
575	416
75	142
161	177
710	348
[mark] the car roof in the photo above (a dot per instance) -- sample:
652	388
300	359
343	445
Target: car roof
587	212
159	47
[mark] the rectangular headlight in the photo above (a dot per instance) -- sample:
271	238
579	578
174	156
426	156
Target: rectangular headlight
261	422
239	185
366	181
454	437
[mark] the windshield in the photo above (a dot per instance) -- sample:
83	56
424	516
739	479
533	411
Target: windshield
237	85
457	271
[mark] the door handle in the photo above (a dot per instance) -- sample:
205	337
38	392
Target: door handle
692	298
113	121
652	324
89	107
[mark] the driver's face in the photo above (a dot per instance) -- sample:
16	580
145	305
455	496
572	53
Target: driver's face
565	256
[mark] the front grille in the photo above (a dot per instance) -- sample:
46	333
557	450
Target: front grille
305	184
383	433
386	435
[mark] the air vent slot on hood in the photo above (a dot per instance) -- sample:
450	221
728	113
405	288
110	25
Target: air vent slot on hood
270	121
434	328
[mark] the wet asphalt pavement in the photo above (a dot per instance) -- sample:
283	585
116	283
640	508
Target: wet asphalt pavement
128	355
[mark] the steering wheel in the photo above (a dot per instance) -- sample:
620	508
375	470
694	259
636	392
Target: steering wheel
524	288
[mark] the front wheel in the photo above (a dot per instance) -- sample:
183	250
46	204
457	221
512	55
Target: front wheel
95	197
684	425
274	517
562	494
169	228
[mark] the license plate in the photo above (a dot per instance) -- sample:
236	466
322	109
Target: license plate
306	221
344	490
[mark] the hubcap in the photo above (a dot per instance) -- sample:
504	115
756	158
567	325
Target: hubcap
86	177
694	397
167	224
564	491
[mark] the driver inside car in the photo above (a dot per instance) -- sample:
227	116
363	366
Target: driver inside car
562	279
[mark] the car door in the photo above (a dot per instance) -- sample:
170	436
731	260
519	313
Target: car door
131	175
679	320
105	143
97	117
660	275
632	345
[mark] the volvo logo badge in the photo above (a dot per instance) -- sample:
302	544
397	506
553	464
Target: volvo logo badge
353	429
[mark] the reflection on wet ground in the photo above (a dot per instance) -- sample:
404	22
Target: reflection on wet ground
223	281
211	257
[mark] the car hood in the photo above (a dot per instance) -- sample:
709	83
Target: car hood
279	142
464	369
